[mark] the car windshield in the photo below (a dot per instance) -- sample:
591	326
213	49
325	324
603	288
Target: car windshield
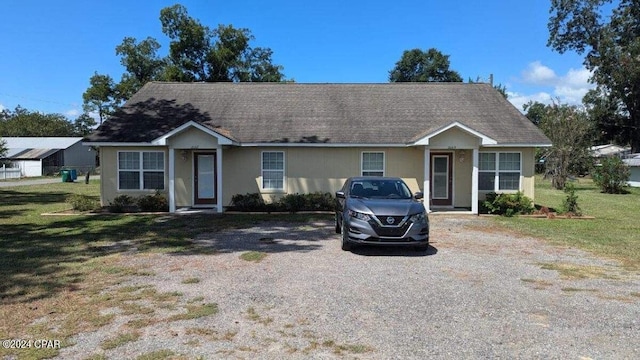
380	189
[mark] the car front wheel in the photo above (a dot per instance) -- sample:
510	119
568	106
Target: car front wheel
346	245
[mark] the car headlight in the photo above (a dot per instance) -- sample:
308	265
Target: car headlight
419	217
359	215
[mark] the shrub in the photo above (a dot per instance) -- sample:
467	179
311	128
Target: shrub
316	201
248	202
570	203
508	204
152	203
319	201
83	202
122	203
293	202
611	175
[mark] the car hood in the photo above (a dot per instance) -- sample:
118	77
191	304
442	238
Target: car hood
393	207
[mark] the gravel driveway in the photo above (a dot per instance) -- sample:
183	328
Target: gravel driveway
479	292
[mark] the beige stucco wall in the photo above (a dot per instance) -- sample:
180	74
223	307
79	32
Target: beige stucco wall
307	169
454	138
312	169
109	173
527	179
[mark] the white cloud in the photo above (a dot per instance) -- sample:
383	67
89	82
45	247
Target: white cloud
73	113
518	100
2	107
538	74
569	88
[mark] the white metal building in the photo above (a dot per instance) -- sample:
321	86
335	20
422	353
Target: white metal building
38	156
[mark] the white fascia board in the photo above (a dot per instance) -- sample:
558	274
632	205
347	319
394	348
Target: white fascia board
293	144
162	140
519	145
485	140
118	144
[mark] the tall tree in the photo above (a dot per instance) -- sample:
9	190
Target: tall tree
611	42
196	53
569	130
423	66
100	97
3	148
84	125
534	111
22	122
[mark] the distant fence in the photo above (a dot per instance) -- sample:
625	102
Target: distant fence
9	173
81	169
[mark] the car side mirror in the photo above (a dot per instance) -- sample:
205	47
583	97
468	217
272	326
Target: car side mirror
340	194
418	195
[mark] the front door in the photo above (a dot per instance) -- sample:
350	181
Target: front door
441	179
204	178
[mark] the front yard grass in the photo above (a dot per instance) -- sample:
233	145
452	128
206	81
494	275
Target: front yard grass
56	271
614	233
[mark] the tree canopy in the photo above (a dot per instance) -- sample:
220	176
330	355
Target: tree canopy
569	130
22	122
423	66
196	53
611	44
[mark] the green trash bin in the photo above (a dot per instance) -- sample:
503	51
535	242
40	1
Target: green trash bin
74	174
66	175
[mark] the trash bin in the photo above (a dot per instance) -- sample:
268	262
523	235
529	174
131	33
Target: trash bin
74	174
66	175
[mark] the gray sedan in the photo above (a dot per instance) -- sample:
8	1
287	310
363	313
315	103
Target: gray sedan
380	211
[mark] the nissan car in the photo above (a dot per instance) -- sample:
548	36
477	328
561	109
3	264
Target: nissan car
380	211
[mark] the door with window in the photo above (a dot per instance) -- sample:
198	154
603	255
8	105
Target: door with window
204	178
441	179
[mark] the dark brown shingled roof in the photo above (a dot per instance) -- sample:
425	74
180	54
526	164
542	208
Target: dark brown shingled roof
396	113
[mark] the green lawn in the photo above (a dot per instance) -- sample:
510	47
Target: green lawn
57	267
614	233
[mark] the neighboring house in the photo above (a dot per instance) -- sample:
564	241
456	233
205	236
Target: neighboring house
634	167
38	156
201	143
610	150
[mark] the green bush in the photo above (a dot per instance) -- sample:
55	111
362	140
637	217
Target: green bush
570	203
316	201
83	202
319	201
122	203
153	203
508	204
611	175
293	202
248	202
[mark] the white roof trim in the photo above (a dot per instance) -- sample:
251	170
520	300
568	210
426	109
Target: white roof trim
118	144
519	145
297	144
485	140
162	140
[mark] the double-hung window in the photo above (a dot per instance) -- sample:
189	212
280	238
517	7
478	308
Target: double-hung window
141	170
273	170
372	164
499	171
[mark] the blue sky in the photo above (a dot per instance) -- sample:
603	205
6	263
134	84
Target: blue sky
50	49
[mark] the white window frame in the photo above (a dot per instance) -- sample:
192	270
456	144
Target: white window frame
141	169
384	163
497	171
262	170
